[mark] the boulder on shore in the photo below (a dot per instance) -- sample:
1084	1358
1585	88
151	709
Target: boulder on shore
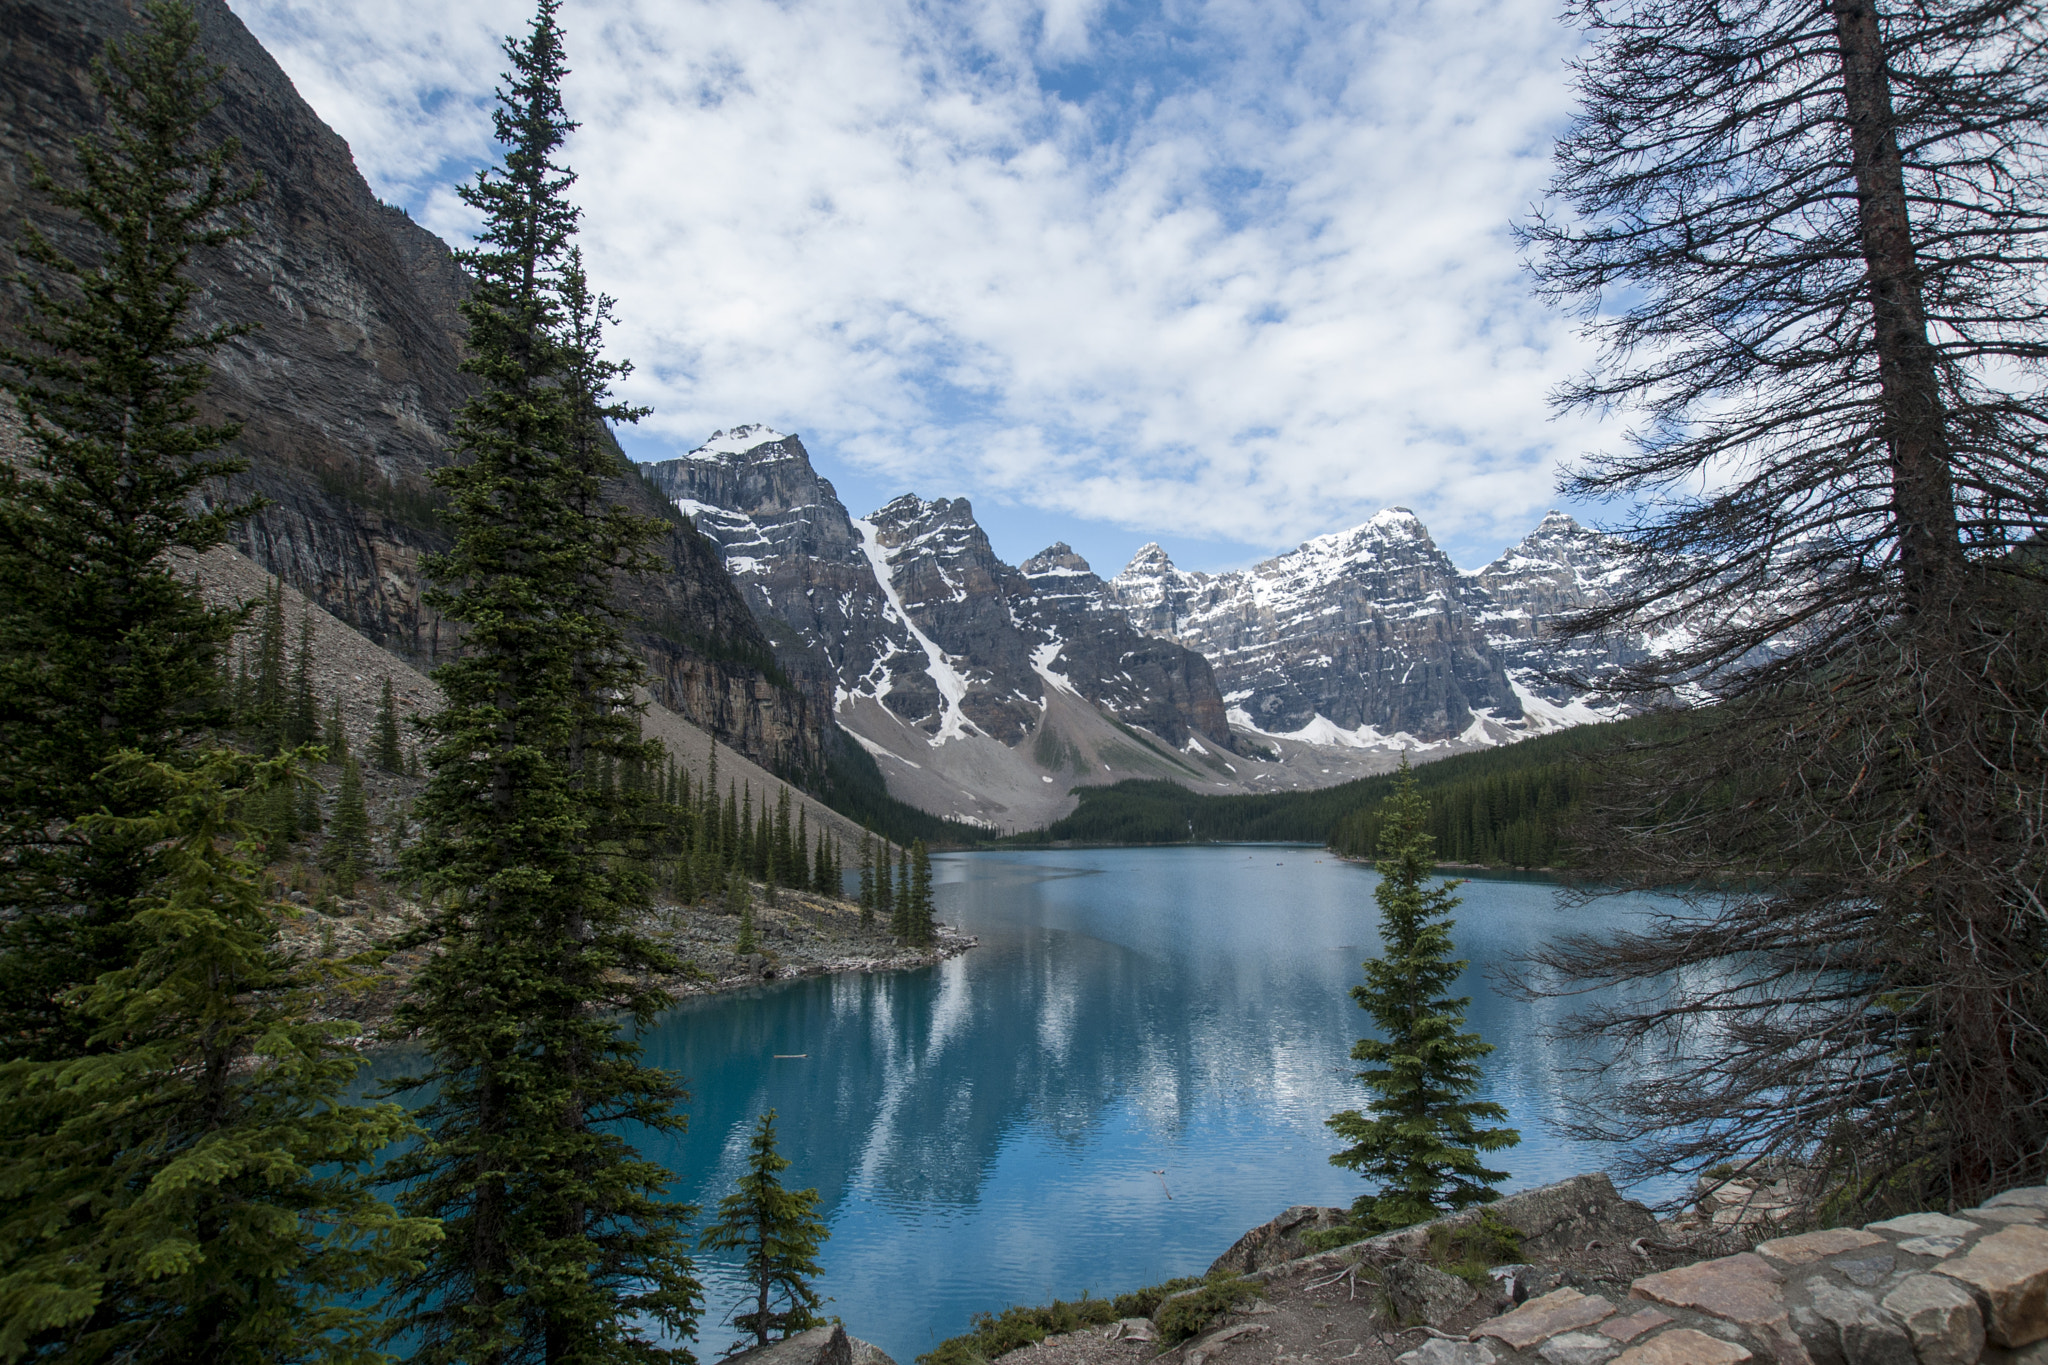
827	1345
1279	1240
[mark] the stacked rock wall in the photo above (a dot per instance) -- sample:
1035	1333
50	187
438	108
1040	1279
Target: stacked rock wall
1924	1289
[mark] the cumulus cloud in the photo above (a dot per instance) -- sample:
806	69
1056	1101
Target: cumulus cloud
1239	269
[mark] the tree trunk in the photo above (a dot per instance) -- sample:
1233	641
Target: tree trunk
1923	498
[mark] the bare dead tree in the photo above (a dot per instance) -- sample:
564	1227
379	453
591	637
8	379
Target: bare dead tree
1812	239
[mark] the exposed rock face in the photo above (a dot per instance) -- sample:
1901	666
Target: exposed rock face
1371	637
1367	633
911	607
1558	569
347	390
1279	1240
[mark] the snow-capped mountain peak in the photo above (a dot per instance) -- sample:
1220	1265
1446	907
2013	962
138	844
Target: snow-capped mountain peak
737	440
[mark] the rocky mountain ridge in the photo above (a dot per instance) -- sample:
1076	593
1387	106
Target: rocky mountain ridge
1372	638
988	692
984	690
347	390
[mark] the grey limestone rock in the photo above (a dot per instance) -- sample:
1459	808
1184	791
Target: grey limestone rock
1437	1351
827	1345
867	1353
1941	1318
1277	1240
1865	1271
848	599
2029	1197
1866	1334
1579	1348
1422	1293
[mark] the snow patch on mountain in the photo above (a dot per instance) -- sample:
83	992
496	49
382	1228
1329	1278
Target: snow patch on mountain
953	722
739	440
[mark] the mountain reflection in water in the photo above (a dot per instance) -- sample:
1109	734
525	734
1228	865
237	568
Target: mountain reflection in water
987	1132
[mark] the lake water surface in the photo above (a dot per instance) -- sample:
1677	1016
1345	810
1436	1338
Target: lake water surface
1130	1071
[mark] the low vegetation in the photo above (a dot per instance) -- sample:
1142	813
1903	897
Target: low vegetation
1509	807
1186	1308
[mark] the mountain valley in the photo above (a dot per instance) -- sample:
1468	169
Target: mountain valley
988	692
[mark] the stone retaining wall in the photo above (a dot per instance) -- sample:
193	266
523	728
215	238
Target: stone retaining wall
1925	1289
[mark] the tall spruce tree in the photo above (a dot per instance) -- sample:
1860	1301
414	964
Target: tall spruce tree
302	709
867	878
901	914
164	1109
1422	1141
388	754
265	722
923	922
885	883
193	1187
561	1244
105	646
780	1231
346	855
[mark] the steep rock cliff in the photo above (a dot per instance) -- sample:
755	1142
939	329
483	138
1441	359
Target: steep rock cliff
912	608
1358	636
347	390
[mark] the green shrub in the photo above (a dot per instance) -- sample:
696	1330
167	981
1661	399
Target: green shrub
1143	1303
1469	1252
1195	1312
1015	1328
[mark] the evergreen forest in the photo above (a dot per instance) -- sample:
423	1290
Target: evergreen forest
1506	807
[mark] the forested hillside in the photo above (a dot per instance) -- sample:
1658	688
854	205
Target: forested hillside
1510	806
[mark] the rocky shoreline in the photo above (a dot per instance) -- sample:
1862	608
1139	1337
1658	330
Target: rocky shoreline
797	934
1602	1282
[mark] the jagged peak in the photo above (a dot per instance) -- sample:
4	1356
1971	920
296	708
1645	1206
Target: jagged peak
740	440
1391	524
1151	559
1058	559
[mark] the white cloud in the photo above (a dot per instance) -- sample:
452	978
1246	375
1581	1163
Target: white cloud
1237	269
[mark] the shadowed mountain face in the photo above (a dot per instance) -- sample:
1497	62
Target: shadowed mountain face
347	390
910	606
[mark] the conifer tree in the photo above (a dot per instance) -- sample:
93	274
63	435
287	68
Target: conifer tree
560	1242
867	878
742	904
302	716
805	874
885	884
346	854
901	920
780	1231
784	838
389	755
266	722
1422	1142
193	1187
105	645
334	734
923	911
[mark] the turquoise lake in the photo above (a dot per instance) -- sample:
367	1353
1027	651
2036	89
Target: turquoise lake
1135	1024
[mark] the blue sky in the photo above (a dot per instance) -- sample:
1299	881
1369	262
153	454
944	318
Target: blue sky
1223	274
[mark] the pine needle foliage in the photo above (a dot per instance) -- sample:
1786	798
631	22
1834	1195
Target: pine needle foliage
104	646
192	1188
388	754
780	1231
346	855
560	1243
1421	1140
922	921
